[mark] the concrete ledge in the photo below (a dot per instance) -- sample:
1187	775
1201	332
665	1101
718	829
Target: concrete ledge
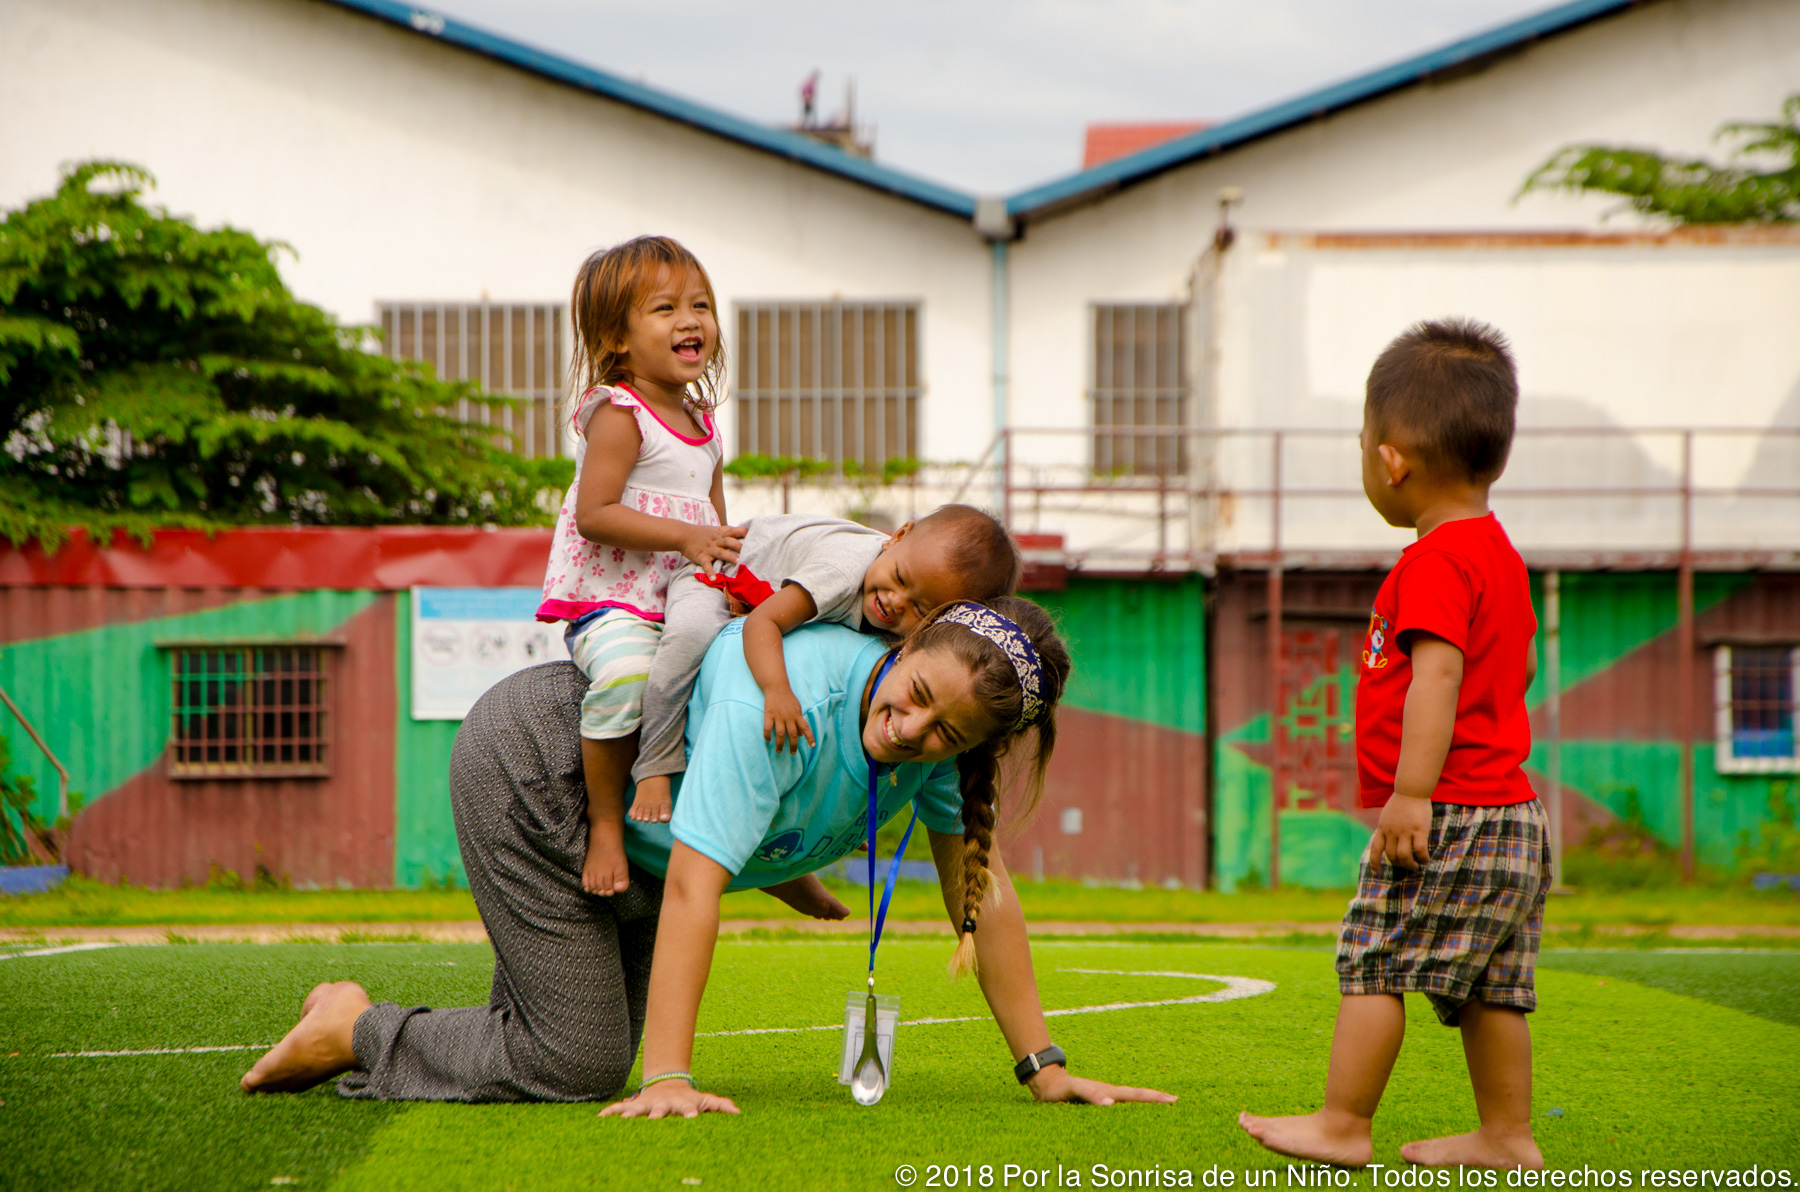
472	932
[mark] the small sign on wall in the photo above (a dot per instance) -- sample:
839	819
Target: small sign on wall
464	640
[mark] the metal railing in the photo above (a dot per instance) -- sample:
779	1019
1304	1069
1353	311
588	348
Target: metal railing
1258	497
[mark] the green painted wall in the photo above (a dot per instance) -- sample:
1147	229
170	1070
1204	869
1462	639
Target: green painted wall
60	682
425	851
1139	648
1319	848
1605	616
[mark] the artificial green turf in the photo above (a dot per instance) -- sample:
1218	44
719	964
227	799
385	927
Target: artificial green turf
1765	983
1641	1075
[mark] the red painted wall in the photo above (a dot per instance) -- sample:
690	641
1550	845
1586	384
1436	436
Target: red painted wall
1141	790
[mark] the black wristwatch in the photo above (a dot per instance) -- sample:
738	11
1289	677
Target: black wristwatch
1031	1065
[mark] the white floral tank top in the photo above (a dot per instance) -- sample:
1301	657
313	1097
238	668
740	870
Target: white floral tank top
672	478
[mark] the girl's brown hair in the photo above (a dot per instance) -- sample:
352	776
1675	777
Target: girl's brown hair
996	689
607	286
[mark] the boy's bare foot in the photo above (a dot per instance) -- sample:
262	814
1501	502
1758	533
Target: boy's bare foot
1499	1150
605	871
1338	1138
809	896
318	1047
652	804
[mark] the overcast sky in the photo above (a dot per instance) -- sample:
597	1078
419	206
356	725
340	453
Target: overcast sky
990	95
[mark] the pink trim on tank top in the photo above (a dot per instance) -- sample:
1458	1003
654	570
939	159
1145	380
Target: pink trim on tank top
705	418
570	610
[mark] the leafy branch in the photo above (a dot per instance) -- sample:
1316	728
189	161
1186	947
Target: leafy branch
1693	190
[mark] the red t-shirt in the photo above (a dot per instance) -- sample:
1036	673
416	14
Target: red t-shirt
1465	583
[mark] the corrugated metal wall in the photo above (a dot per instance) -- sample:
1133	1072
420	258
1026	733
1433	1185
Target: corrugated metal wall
1621	748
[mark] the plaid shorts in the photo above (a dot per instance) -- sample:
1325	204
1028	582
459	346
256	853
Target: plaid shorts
1466	924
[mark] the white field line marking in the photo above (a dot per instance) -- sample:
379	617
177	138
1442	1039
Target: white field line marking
1235	988
59	951
90	1055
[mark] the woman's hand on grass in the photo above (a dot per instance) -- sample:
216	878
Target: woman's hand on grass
1053	1083
669	1098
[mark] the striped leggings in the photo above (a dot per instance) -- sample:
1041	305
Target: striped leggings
614	651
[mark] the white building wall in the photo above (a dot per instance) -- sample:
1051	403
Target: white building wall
1679	335
401	168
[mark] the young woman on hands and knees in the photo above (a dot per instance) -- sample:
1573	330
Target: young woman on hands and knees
575	983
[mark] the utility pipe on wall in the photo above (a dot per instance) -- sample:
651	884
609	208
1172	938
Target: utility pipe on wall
995	224
1002	282
1553	718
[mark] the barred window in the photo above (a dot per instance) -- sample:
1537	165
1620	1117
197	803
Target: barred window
249	711
1139	382
517	349
837	381
1754	696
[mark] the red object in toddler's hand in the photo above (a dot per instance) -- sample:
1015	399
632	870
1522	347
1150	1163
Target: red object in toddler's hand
744	587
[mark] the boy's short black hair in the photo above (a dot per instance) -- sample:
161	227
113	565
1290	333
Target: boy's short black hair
979	548
1449	386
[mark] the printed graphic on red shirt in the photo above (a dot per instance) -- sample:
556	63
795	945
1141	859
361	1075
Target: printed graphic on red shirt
1373	657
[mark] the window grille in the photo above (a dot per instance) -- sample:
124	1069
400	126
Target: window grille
517	349
1755	688
837	381
1140	382
249	711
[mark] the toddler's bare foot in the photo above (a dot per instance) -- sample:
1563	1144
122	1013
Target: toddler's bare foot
318	1047
809	896
1339	1138
652	804
1501	1150
605	872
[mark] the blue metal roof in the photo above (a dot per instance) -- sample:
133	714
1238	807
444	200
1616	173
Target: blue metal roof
1154	160
791	145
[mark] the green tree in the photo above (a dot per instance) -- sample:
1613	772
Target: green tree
1693	191
153	373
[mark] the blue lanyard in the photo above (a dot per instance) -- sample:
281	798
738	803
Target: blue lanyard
878	918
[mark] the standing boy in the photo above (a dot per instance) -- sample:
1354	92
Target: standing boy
1450	897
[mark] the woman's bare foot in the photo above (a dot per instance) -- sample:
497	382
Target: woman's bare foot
809	896
605	871
653	804
1339	1138
1499	1150
318	1047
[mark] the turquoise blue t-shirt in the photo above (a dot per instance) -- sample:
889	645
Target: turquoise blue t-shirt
769	816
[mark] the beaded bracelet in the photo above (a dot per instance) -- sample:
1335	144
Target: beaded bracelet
687	1076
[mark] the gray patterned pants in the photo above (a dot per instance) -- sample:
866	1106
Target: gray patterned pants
571	971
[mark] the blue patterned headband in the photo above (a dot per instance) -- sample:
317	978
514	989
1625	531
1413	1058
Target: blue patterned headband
1015	643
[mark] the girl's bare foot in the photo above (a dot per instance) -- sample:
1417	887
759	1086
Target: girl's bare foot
605	871
1339	1138
318	1047
653	803
1499	1150
809	896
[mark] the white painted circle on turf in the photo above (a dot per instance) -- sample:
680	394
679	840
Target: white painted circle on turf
58	951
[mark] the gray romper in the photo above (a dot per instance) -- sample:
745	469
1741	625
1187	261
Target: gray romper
571	970
825	555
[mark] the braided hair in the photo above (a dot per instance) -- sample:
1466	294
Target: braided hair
996	689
